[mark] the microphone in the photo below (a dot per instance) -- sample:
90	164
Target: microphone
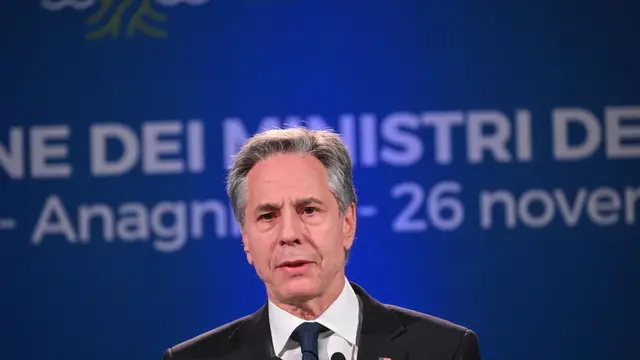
338	356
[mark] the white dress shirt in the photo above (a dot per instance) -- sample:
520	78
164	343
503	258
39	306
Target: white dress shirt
341	318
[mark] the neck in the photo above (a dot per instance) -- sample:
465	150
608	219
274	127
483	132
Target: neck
311	309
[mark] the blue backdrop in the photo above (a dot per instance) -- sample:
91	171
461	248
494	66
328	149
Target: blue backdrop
495	149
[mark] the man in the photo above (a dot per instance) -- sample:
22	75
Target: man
292	194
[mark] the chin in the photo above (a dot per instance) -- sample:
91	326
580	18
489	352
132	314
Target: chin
299	289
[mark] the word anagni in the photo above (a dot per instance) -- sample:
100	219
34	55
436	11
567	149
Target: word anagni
168	225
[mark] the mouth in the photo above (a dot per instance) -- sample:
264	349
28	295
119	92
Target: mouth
294	264
296	267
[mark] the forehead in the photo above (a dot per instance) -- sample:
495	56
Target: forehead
287	175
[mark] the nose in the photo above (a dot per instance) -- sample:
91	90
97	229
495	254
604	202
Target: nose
290	228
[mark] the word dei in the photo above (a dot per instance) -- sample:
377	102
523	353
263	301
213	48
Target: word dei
158	147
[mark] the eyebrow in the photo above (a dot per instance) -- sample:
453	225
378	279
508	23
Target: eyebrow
266	207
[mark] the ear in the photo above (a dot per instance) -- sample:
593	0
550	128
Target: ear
245	245
349	227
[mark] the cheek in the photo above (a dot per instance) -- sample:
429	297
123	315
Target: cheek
262	250
330	243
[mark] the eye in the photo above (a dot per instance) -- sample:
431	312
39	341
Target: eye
266	216
309	210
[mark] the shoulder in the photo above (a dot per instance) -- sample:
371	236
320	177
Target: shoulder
417	321
426	336
437	334
215	341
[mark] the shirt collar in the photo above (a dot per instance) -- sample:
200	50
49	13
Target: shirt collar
341	317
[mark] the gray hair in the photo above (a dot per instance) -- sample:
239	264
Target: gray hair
325	145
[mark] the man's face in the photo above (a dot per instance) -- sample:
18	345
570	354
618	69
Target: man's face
294	234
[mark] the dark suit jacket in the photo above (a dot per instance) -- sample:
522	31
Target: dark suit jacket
386	331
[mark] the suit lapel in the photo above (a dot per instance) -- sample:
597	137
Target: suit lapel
378	330
253	337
